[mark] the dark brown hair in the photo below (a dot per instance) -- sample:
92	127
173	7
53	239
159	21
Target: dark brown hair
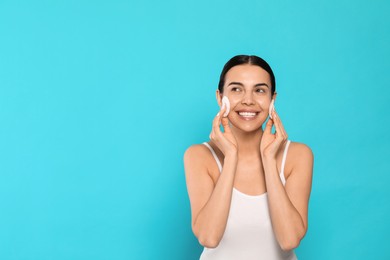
246	59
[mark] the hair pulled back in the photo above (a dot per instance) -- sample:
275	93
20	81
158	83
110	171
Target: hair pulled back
246	59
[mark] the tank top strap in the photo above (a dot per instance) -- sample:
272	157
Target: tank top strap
284	162
215	156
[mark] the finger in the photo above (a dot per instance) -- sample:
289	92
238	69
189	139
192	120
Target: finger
268	126
221	112
226	125
283	131
280	133
212	133
221	120
277	126
217	122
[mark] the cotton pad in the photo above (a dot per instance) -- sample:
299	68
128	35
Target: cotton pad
271	108
225	101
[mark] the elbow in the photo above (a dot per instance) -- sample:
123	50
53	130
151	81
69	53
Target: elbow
290	245
293	240
205	239
208	242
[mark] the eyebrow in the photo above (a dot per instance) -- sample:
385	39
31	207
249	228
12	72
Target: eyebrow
239	83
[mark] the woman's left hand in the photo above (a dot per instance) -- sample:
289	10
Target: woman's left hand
271	143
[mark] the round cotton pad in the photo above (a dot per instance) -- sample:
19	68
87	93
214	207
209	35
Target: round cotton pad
225	101
271	107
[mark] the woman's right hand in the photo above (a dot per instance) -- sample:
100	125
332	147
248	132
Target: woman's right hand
225	141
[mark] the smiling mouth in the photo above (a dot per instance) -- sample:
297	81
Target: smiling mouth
248	115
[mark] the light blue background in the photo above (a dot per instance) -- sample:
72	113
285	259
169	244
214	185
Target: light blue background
99	100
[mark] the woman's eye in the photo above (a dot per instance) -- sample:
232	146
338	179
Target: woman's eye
260	90
235	89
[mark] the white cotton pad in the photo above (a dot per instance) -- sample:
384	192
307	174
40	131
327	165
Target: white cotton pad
225	101
271	107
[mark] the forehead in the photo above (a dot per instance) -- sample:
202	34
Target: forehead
247	74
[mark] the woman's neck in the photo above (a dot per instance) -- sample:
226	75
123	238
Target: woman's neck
248	143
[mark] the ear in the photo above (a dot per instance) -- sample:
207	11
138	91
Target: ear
218	95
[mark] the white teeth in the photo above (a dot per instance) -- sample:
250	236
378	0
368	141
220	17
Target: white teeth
247	114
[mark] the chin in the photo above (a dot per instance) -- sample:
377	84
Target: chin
249	127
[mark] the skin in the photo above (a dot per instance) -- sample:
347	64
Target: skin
251	159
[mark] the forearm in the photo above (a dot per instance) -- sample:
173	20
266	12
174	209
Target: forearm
286	220
211	221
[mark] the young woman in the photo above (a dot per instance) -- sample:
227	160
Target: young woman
249	188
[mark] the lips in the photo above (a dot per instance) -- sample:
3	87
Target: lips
247	115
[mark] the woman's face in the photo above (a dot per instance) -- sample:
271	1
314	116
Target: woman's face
248	88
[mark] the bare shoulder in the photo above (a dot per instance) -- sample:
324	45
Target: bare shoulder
196	159
301	155
195	148
300	151
196	153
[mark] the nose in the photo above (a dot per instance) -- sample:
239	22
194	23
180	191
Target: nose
248	98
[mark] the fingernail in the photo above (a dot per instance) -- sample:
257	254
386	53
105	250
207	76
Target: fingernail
218	114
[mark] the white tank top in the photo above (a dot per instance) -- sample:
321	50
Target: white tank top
248	234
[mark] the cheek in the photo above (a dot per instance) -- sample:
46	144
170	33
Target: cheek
263	103
234	100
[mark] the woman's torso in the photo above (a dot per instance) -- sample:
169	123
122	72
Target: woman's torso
248	233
